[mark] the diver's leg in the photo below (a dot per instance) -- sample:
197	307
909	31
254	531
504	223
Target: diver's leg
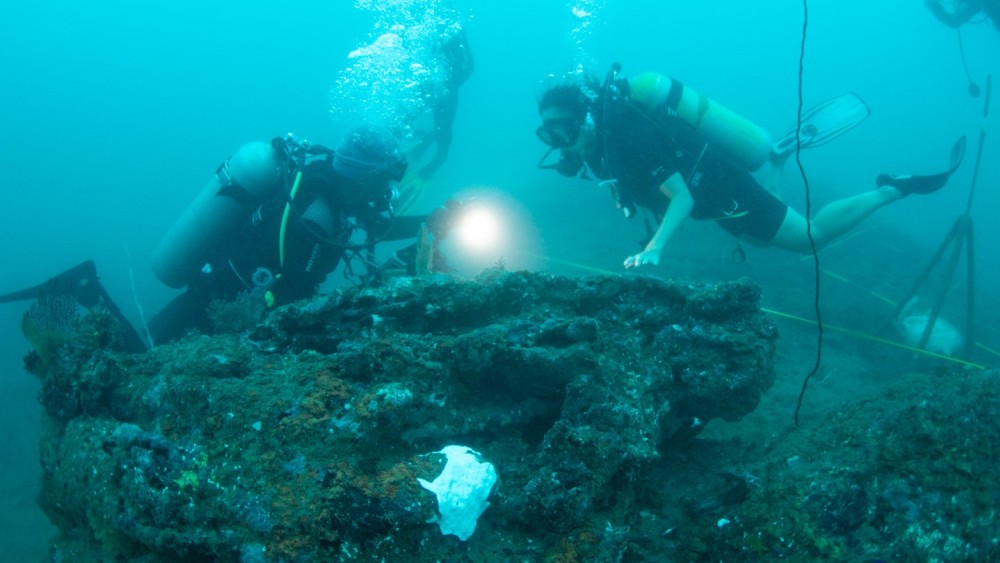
183	313
133	342
833	220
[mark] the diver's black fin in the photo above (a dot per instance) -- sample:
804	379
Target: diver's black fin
22	295
81	282
71	282
824	123
925	184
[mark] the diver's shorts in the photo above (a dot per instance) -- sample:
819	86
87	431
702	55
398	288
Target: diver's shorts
755	213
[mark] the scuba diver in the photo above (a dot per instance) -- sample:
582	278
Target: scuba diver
453	58
275	219
960	12
457	63
659	145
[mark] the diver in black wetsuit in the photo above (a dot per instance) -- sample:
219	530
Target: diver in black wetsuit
274	220
651	140
291	210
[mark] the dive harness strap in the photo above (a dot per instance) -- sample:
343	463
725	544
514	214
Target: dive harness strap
674	101
269	298
295	152
674	95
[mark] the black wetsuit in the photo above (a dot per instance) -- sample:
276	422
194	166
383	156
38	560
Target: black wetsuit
642	147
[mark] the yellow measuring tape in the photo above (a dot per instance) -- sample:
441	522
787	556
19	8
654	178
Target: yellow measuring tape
874	338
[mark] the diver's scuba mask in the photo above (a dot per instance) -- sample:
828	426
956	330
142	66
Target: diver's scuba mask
559	132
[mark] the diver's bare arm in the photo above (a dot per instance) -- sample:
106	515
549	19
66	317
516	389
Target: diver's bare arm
679	209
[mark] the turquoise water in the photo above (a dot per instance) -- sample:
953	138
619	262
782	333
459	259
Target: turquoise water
114	114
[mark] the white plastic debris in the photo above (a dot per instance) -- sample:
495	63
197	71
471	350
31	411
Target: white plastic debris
461	489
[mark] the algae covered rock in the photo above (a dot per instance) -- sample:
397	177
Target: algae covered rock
309	436
908	475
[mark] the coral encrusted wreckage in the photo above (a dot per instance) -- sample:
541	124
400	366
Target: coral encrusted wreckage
324	432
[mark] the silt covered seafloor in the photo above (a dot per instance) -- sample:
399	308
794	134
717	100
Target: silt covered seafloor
303	435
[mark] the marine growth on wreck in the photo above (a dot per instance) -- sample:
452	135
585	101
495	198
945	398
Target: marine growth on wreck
315	434
516	417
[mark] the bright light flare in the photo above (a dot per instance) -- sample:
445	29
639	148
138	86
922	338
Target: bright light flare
478	229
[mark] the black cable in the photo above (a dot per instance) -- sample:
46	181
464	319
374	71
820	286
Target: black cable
973	87
812	242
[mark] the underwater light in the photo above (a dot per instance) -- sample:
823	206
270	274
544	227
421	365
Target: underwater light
478	228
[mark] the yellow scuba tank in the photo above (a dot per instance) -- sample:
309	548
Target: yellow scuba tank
244	181
741	138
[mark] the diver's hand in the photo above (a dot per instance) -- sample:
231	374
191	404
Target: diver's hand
644	258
